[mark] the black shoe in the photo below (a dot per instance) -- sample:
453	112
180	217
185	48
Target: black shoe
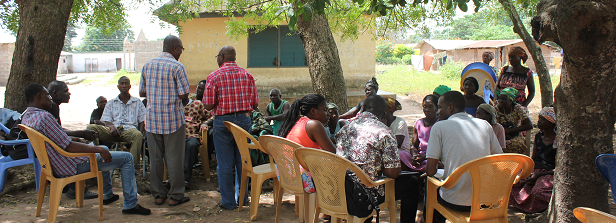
137	210
226	208
87	195
110	200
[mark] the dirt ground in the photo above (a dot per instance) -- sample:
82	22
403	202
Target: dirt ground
20	206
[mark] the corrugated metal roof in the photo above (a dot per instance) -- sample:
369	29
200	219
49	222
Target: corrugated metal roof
491	43
445	44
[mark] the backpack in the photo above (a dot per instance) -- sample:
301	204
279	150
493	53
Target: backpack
361	201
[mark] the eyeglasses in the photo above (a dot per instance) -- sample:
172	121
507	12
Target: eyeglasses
181	47
219	55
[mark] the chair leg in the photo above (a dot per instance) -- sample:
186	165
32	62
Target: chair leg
79	190
278	200
41	195
276	186
299	207
244	184
205	162
255	195
55	194
317	211
3	173
309	205
99	180
296	206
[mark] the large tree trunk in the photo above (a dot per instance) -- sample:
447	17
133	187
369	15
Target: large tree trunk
585	98
545	83
42	26
323	60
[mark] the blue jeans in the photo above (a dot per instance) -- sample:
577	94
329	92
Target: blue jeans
228	156
124	161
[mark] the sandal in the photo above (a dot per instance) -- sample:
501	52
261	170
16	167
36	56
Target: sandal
181	201
159	203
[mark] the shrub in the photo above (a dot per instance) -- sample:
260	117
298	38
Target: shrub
383	50
406	59
452	70
401	50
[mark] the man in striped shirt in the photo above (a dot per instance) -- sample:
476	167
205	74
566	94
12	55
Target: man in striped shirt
165	84
38	118
231	94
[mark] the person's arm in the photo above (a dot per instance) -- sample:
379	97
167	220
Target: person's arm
350	114
86	134
399	140
141	126
112	129
317	133
285	108
98	122
184	98
498	80
415	141
76	147
268	115
391	172
530	84
255	106
431	166
526	125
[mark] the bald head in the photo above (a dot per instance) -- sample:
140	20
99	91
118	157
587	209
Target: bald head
169	42
227	53
376	105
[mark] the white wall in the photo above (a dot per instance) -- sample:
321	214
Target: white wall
106	61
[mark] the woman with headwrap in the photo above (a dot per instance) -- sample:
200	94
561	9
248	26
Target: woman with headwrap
372	87
532	195
488	112
397	124
517	76
335	123
486	58
514	118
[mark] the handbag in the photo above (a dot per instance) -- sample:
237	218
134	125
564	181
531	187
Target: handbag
361	201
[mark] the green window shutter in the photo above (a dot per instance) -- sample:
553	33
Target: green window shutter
263	48
291	49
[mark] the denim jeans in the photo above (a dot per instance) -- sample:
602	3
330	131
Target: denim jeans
228	156
123	161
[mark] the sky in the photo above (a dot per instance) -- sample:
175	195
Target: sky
139	17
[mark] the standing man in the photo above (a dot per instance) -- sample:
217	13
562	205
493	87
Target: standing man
123	120
165	84
458	139
276	110
231	94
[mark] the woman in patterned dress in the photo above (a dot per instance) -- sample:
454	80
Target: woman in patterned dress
514	118
517	76
533	194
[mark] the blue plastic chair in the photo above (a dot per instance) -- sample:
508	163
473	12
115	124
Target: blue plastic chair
6	162
607	166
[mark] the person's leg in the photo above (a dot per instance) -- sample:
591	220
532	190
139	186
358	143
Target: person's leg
123	161
190	156
156	148
174	158
243	121
224	145
407	191
135	138
103	134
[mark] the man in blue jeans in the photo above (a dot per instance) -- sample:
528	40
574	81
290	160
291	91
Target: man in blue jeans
231	94
38	118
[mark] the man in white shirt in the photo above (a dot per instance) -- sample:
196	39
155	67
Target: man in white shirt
458	139
124	118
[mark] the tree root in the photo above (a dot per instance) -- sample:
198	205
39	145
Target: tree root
17	187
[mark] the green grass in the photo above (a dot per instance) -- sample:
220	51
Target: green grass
94	79
401	79
134	77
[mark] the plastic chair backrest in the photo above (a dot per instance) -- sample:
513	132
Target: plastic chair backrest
492	177
241	138
328	172
591	215
606	163
282	151
38	141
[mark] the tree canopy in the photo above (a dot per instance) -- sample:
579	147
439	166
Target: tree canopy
95	40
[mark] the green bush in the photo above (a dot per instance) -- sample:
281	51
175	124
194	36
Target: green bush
401	50
406	59
452	70
383	50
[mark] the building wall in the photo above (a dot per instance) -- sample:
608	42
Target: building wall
146	51
203	37
6	58
106	61
501	57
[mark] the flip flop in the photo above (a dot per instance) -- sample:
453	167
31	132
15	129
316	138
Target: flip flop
181	201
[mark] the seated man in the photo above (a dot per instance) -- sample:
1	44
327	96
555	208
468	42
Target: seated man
368	142
124	118
196	117
458	139
59	93
95	117
276	110
38	118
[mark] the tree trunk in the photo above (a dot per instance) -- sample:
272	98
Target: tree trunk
585	99
545	83
42	26
323	61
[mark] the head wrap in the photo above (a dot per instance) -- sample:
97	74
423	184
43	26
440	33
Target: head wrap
474	81
331	106
372	83
441	89
549	114
393	104
511	93
519	51
489	53
490	110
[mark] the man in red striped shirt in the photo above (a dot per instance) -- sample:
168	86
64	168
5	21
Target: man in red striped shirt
231	94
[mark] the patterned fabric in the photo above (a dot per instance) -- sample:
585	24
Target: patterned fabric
549	114
195	114
532	197
519	51
510	92
164	79
231	88
393	104
370	144
332	106
516	144
274	112
192	96
127	115
490	110
515	80
44	122
261	127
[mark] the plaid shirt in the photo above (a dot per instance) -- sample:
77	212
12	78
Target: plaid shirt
231	89
127	115
163	79
46	124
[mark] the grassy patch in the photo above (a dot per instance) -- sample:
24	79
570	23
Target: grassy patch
94	79
401	79
134	77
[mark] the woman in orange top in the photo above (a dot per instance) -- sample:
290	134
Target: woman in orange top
304	124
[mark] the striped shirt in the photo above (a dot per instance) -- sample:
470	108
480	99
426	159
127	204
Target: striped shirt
128	115
231	89
164	79
46	124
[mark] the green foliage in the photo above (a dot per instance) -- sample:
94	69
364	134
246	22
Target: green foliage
406	59
402	79
384	49
134	78
452	70
401	50
96	40
68	39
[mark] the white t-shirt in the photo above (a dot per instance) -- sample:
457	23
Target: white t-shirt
460	139
399	127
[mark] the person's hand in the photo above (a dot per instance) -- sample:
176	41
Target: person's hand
89	134
114	131
204	127
80	140
106	155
